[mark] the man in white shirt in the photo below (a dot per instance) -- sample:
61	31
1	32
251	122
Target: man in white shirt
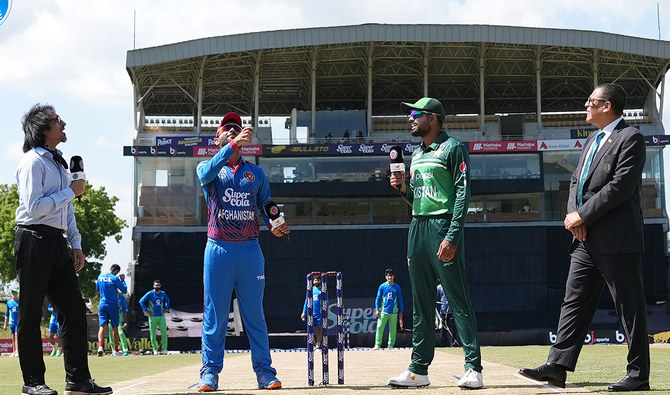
45	232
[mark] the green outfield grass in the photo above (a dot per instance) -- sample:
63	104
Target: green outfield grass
598	366
105	370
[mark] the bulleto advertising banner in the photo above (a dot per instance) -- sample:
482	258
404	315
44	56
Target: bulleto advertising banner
357	149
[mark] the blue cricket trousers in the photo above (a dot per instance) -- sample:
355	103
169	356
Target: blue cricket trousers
237	265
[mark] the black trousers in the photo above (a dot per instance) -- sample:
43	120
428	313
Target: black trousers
45	267
589	273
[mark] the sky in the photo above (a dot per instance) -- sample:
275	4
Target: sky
72	55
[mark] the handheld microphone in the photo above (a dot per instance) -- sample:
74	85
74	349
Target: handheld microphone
77	171
276	217
397	161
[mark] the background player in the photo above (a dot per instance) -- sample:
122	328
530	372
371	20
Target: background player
123	325
12	316
54	333
156	303
108	286
316	303
388	308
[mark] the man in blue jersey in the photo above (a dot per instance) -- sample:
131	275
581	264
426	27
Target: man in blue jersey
156	303
234	190
123	325
108	286
54	333
316	303
12	316
388	308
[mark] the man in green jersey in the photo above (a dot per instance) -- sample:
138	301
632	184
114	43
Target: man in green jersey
439	192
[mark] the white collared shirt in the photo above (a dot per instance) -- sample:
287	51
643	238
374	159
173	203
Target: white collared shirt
608	132
45	196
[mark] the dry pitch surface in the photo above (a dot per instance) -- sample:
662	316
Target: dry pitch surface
366	371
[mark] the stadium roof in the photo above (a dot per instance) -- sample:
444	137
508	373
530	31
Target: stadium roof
375	67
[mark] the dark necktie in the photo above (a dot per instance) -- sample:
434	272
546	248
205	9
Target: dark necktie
587	166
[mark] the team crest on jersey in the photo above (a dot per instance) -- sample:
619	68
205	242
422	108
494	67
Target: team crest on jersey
463	168
249	176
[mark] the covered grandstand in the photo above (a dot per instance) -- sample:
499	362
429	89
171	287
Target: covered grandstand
514	95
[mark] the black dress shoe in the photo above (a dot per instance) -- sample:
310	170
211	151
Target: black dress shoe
553	373
40	389
629	384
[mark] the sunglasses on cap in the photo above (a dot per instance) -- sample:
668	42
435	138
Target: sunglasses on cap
231	126
416	114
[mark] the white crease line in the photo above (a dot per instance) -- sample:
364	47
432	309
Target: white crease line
547	386
130	386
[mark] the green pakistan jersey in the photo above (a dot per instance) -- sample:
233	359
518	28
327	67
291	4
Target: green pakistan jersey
440	182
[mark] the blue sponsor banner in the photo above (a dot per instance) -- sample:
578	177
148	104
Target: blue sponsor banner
660	139
184	141
339	149
140	150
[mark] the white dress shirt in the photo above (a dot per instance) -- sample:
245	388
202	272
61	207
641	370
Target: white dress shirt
45	196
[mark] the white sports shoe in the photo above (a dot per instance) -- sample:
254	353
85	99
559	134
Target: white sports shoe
117	353
472	380
409	379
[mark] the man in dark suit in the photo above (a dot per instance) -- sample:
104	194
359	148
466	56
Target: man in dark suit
605	218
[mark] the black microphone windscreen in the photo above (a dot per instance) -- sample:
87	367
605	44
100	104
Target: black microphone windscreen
396	154
272	210
76	164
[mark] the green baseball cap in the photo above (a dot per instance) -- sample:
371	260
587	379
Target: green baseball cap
15	292
427	104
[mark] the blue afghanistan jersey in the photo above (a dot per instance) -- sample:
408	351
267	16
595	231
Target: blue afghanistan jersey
158	301
109	286
13	311
389	299
233	196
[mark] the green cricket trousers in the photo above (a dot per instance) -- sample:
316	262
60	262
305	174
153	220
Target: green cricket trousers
425	268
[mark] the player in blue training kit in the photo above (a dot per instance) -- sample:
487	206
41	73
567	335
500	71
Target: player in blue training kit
388	308
54	333
316	303
234	190
108	286
156	303
12	316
